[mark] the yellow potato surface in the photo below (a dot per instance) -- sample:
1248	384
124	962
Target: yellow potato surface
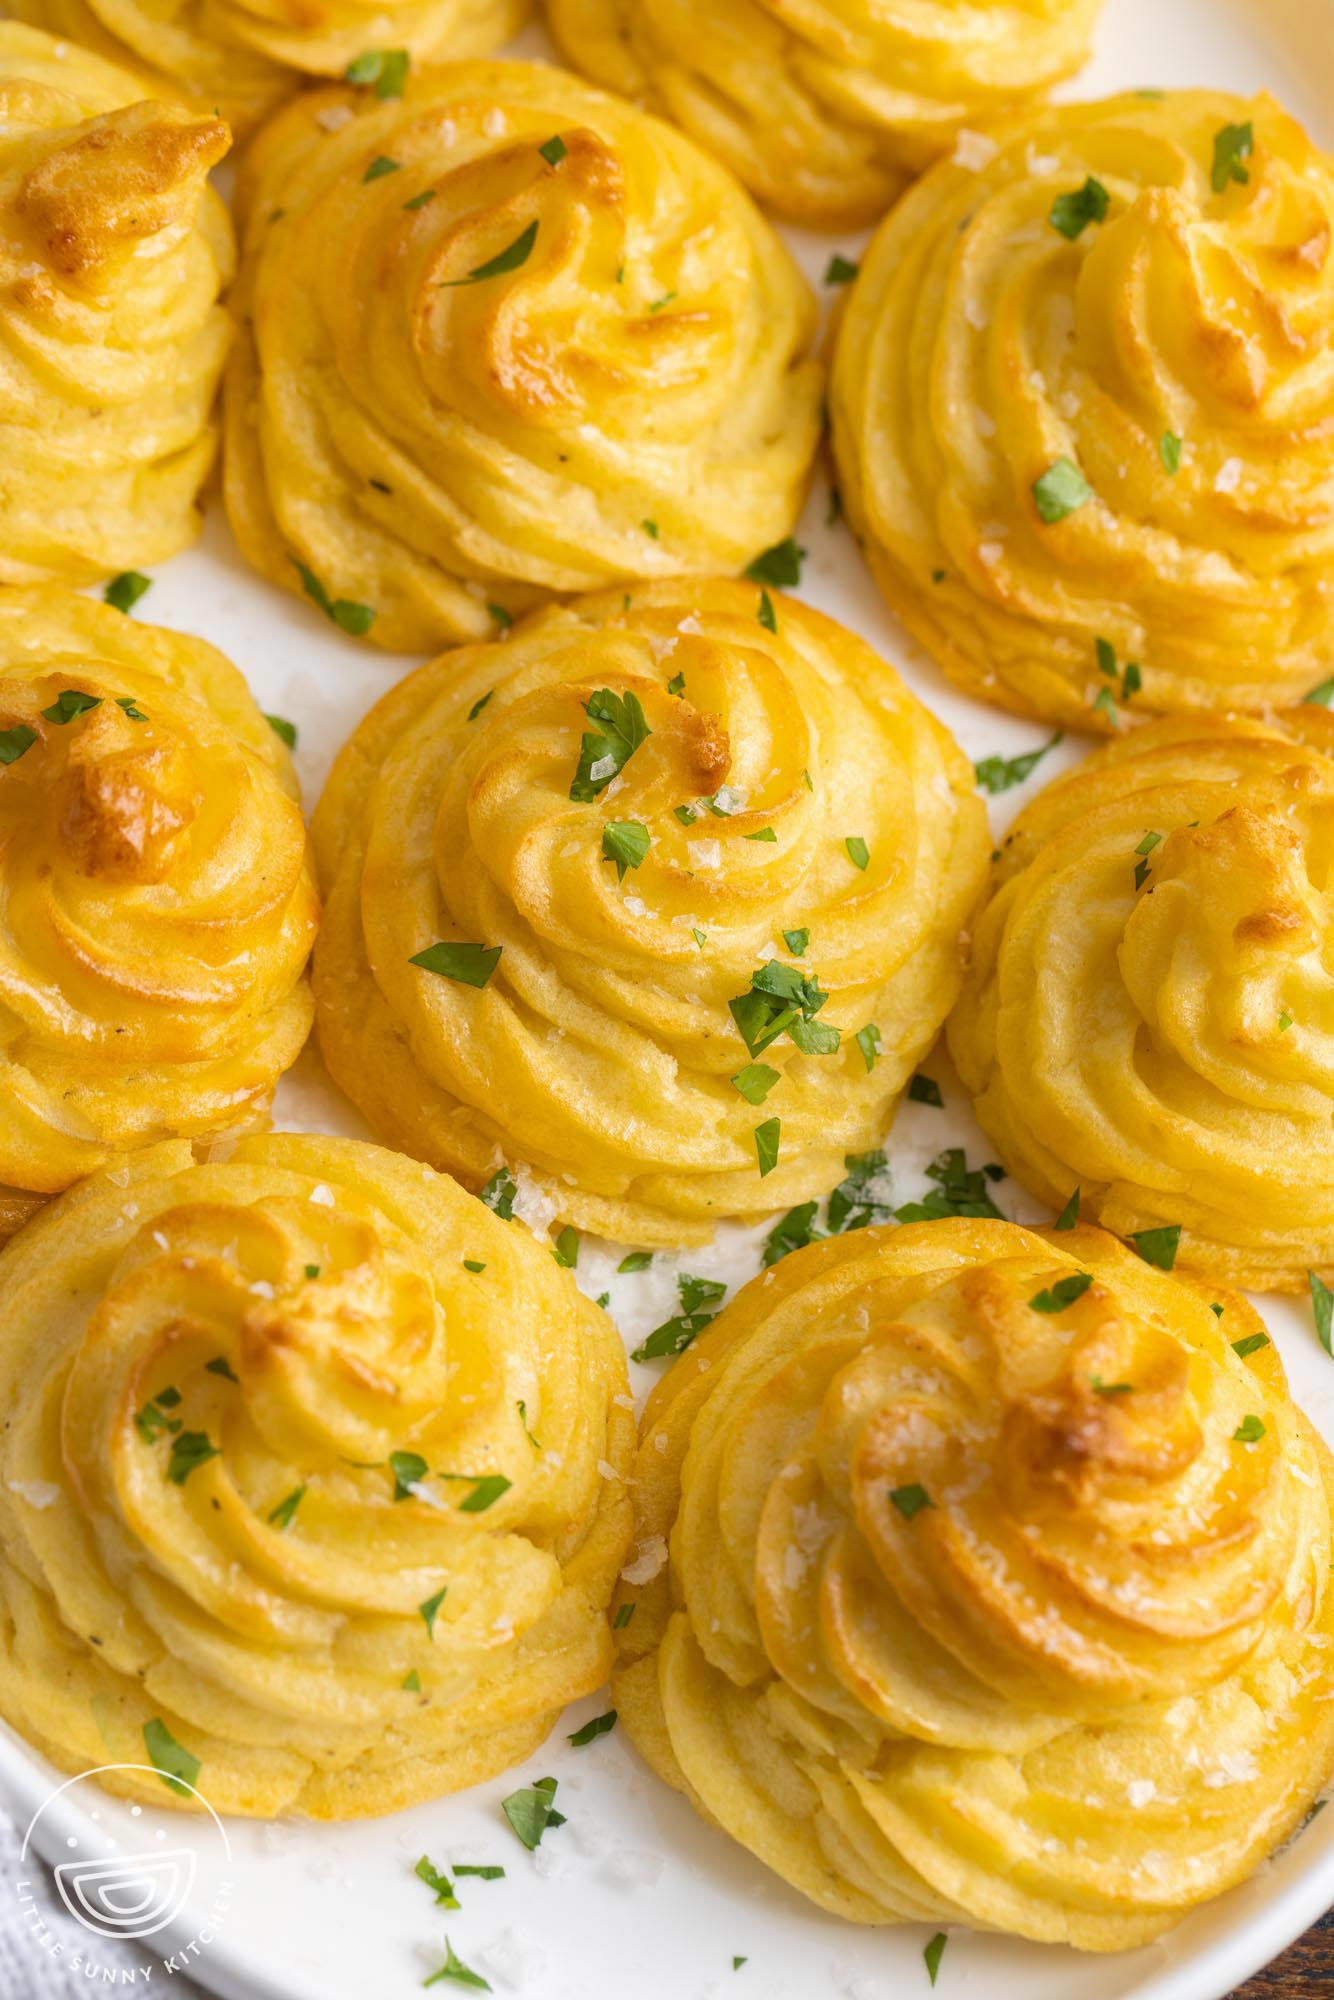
1148	1013
986	1602
600	1051
826	112
158	909
113	251
476	373
283	1473
1083	410
241	56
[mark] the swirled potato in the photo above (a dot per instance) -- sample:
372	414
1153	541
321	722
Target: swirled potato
505	337
1147	1014
827	112
1083	412
690	889
240	58
310	1462
998	1588
158	909
113	252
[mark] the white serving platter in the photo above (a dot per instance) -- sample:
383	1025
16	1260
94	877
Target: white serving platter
635	1894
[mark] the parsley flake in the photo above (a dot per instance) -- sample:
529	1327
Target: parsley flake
566	1248
532	1810
607	750
780	565
124	591
625	842
16	742
281	1515
510	258
1249	1431
1158	1246
355	619
498	1194
284	730
1071	213
796	942
755	1082
766	1144
177	1767
859	854
698	1297
69	703
925	1090
1250	1345
1061	490
601	1725
868	1041
1069	1215
454	1969
638	1260
436	1879
554	151
1063	1293
1232	145
998	774
840	270
910	1500
1322	1309
465	964
379	167
933	1952
189	1450
431	1607
387	69
1169	451
765	614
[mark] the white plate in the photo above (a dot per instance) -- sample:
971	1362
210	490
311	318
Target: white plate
636	1891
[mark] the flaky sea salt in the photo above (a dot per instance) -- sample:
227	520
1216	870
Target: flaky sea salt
649	1557
974	150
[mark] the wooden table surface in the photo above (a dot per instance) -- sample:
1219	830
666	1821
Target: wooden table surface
1308	1967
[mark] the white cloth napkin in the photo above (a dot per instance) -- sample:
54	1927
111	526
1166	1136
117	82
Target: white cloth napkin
29	1969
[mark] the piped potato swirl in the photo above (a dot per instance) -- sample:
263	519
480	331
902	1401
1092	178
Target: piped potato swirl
156	906
998	1589
826	113
239	57
311	1460
113	253
1083	410
505	337
1148	1011
629	909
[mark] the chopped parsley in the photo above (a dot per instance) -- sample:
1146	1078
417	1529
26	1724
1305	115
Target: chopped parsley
565	1250
510	258
761	833
379	167
1061	490
859	854
960	1190
430	1609
933	1952
355	619
840	270
607	750
1250	1345
1232	145
152	1421
1072	213
601	1725
765	614
1249	1431
650	529
1069	1215
283	729
638	1260
522	1408
473	1264
220	1365
1322	1309
656	305
1169	451
387	69
1321	695
409	1469
1158	1246
779	566
466	964
626	842
436	1879
910	1500
16	742
124	591
486	1872
177	1767
780	1000
998	774
498	1194
868	1041
925	1090
797	1228
69	703
624	1614
1101	1388
485	1493
677	684
554	151
189	1450
1063	1293
767	1137
455	1970
755	1082
796	942
281	1515
532	1810
699	1298
420	200
479	705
